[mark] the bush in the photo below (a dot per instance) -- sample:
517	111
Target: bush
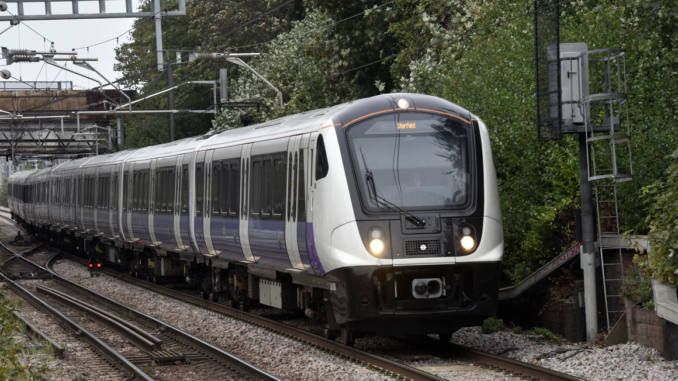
636	288
517	330
492	325
545	333
11	367
662	196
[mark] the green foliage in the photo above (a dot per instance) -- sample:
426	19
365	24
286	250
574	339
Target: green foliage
492	325
476	54
517	330
662	198
649	305
636	288
3	192
545	333
10	364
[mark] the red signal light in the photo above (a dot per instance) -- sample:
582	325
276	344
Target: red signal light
91	265
98	264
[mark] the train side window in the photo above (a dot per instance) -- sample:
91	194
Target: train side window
301	189
295	185
115	193
224	193
199	188
267	188
170	190
235	191
158	191
184	191
290	187
125	190
278	186
255	188
135	192
321	164
145	195
164	191
216	187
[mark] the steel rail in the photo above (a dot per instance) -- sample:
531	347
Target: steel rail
208	349
495	362
112	356
374	362
368	360
105	319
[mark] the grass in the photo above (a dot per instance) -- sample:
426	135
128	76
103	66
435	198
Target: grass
492	325
545	333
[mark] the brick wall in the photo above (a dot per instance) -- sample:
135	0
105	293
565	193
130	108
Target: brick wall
646	328
565	318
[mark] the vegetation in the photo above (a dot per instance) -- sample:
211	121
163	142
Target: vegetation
545	333
637	288
492	325
477	54
662	196
11	367
3	191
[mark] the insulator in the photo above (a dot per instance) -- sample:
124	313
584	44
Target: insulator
21	52
206	56
25	59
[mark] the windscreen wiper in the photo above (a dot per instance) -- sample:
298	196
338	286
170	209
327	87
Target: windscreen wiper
369	178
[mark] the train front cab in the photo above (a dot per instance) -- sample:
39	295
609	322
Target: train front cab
426	204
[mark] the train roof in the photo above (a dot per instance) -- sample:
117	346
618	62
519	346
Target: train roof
305	122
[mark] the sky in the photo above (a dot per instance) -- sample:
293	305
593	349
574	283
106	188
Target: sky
67	35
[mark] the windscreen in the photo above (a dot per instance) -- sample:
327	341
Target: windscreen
416	161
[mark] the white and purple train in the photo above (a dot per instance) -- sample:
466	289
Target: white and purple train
380	215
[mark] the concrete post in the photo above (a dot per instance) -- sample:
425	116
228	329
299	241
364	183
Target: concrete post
588	253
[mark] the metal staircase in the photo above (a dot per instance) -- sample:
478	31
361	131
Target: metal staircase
608	136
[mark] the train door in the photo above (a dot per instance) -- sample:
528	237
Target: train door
292	202
113	212
207	210
186	208
244	202
80	215
310	236
154	195
197	194
127	202
176	211
96	194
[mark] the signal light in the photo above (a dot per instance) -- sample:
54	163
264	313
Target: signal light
98	264
91	265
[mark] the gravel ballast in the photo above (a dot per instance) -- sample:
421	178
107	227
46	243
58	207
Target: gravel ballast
283	357
629	361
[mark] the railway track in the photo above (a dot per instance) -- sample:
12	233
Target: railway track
155	343
384	366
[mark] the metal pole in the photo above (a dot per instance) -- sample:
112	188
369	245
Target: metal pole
96	140
158	33
108	128
170	99
588	254
120	137
223	85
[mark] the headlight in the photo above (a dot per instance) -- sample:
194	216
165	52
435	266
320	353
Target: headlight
377	246
467	243
375	237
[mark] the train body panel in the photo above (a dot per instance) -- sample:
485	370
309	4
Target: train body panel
370	214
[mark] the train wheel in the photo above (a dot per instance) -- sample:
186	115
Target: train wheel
330	334
346	337
445	337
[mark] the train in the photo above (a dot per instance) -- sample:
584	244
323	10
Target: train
379	215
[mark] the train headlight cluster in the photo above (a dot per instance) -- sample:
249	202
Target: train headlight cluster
376	240
467	241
